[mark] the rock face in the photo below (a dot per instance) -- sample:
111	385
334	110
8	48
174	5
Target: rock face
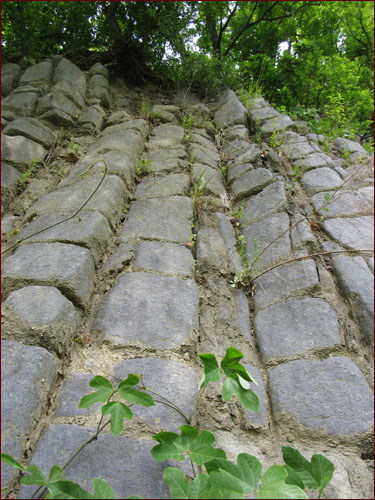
129	243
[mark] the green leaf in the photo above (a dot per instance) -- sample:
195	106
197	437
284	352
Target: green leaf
230	364
293	477
118	412
197	446
315	474
102	489
274	486
56	473
104	391
212	372
127	391
36	476
247	471
68	489
11	461
247	398
228	485
133	496
181	487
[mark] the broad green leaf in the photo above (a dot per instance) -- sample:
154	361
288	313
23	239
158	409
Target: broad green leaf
197	446
293	477
67	489
11	461
274	486
102	489
127	391
36	476
212	493
118	412
56	473
104	391
212	372
230	364
181	487
247	471
315	474
247	398
227	484
133	496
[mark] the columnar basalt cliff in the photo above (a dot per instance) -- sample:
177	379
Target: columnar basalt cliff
181	195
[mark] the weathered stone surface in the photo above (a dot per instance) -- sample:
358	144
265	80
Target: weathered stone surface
32	129
227	96
9	77
296	151
286	281
128	142
260	419
89	229
98	69
344	145
117	117
200	110
173	380
302	325
354	232
234	172
169	130
302	235
19	105
168	185
211	250
269	201
67	267
260	234
27	376
166	113
321	179
161	219
347	203
107	458
139	125
227	232
260	115
68	71
74	388
108	200
213	179
231	113
166	159
235	148
290	137
57	108
20	151
330	395
206	156
243	314
92	119
314	160
69	91
203	142
159	311
40	315
357	284
164	257
236	132
277	124
98	80
120	258
251	182
40	71
9	183
370	264
251	154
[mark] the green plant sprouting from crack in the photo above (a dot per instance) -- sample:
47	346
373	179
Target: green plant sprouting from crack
213	475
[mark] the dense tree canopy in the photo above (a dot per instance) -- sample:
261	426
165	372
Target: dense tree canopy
307	56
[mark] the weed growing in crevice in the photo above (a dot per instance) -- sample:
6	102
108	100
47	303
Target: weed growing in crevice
29	172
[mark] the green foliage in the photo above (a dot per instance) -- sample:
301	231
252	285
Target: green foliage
29	172
144	167
198	189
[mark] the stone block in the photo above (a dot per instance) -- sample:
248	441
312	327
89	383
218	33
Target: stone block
116	118
235	148
68	71
290	137
169	130
289	280
32	129
314	160
109	199
330	396
9	183
98	69
344	145
138	125
88	229
260	234
203	142
211	251
157	187
206	156
166	160
164	257
58	101
119	259
353	232
232	112
236	132
67	267
301	234
19	105
269	201
213	179
158	311
229	236
128	142
41	71
295	327
106	458
243	314
321	179
171	379
69	91
348	203
251	182
260	115
20	151
166	219
9	77
40	315
279	124
295	151
257	420
251	154
74	388
235	172
92	119
166	113
28	375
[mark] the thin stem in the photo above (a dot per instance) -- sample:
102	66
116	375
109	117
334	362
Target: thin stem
67	218
167	402
192	466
